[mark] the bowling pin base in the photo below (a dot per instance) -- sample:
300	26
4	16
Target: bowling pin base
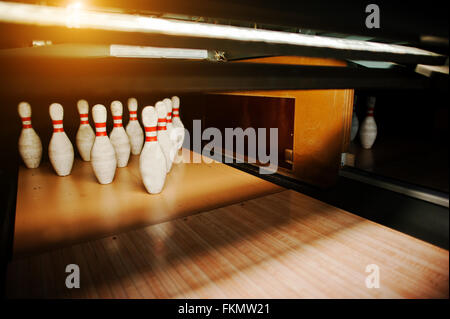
104	167
32	164
104	175
63	165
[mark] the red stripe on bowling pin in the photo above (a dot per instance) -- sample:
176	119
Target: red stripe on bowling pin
162	124
176	112
133	115
84	118
100	129
370	111
26	122
169	117
150	134
118	121
58	126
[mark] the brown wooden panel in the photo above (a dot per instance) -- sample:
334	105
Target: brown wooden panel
284	245
321	130
231	111
321	127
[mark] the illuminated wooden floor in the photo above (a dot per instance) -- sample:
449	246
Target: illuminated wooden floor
283	245
55	211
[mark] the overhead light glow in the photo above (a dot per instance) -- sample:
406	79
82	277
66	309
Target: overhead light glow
77	17
73	12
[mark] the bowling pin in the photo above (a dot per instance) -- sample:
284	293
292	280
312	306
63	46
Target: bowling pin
368	130
103	156
172	133
60	149
169	125
30	146
152	162
134	129
163	137
176	121
85	134
119	138
355	122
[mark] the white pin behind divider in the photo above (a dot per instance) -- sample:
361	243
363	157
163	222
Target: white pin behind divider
60	149
30	145
170	130
168	103
103	155
134	129
163	136
118	136
152	162
85	135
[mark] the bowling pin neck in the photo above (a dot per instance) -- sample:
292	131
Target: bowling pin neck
133	115
118	120
176	112
100	129
84	119
26	122
370	110
162	124
57	126
169	117
150	134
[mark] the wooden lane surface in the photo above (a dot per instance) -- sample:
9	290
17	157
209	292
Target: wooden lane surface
55	211
283	245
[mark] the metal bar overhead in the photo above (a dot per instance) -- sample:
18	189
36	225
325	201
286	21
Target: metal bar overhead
111	76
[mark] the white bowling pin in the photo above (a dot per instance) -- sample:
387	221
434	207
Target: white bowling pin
169	125
368	130
134	129
152	162
30	146
176	121
170	130
85	134
355	122
103	156
163	136
60	149
119	138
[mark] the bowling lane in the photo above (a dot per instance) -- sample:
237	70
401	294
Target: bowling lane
55	211
283	245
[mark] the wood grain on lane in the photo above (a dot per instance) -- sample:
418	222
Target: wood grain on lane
283	245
